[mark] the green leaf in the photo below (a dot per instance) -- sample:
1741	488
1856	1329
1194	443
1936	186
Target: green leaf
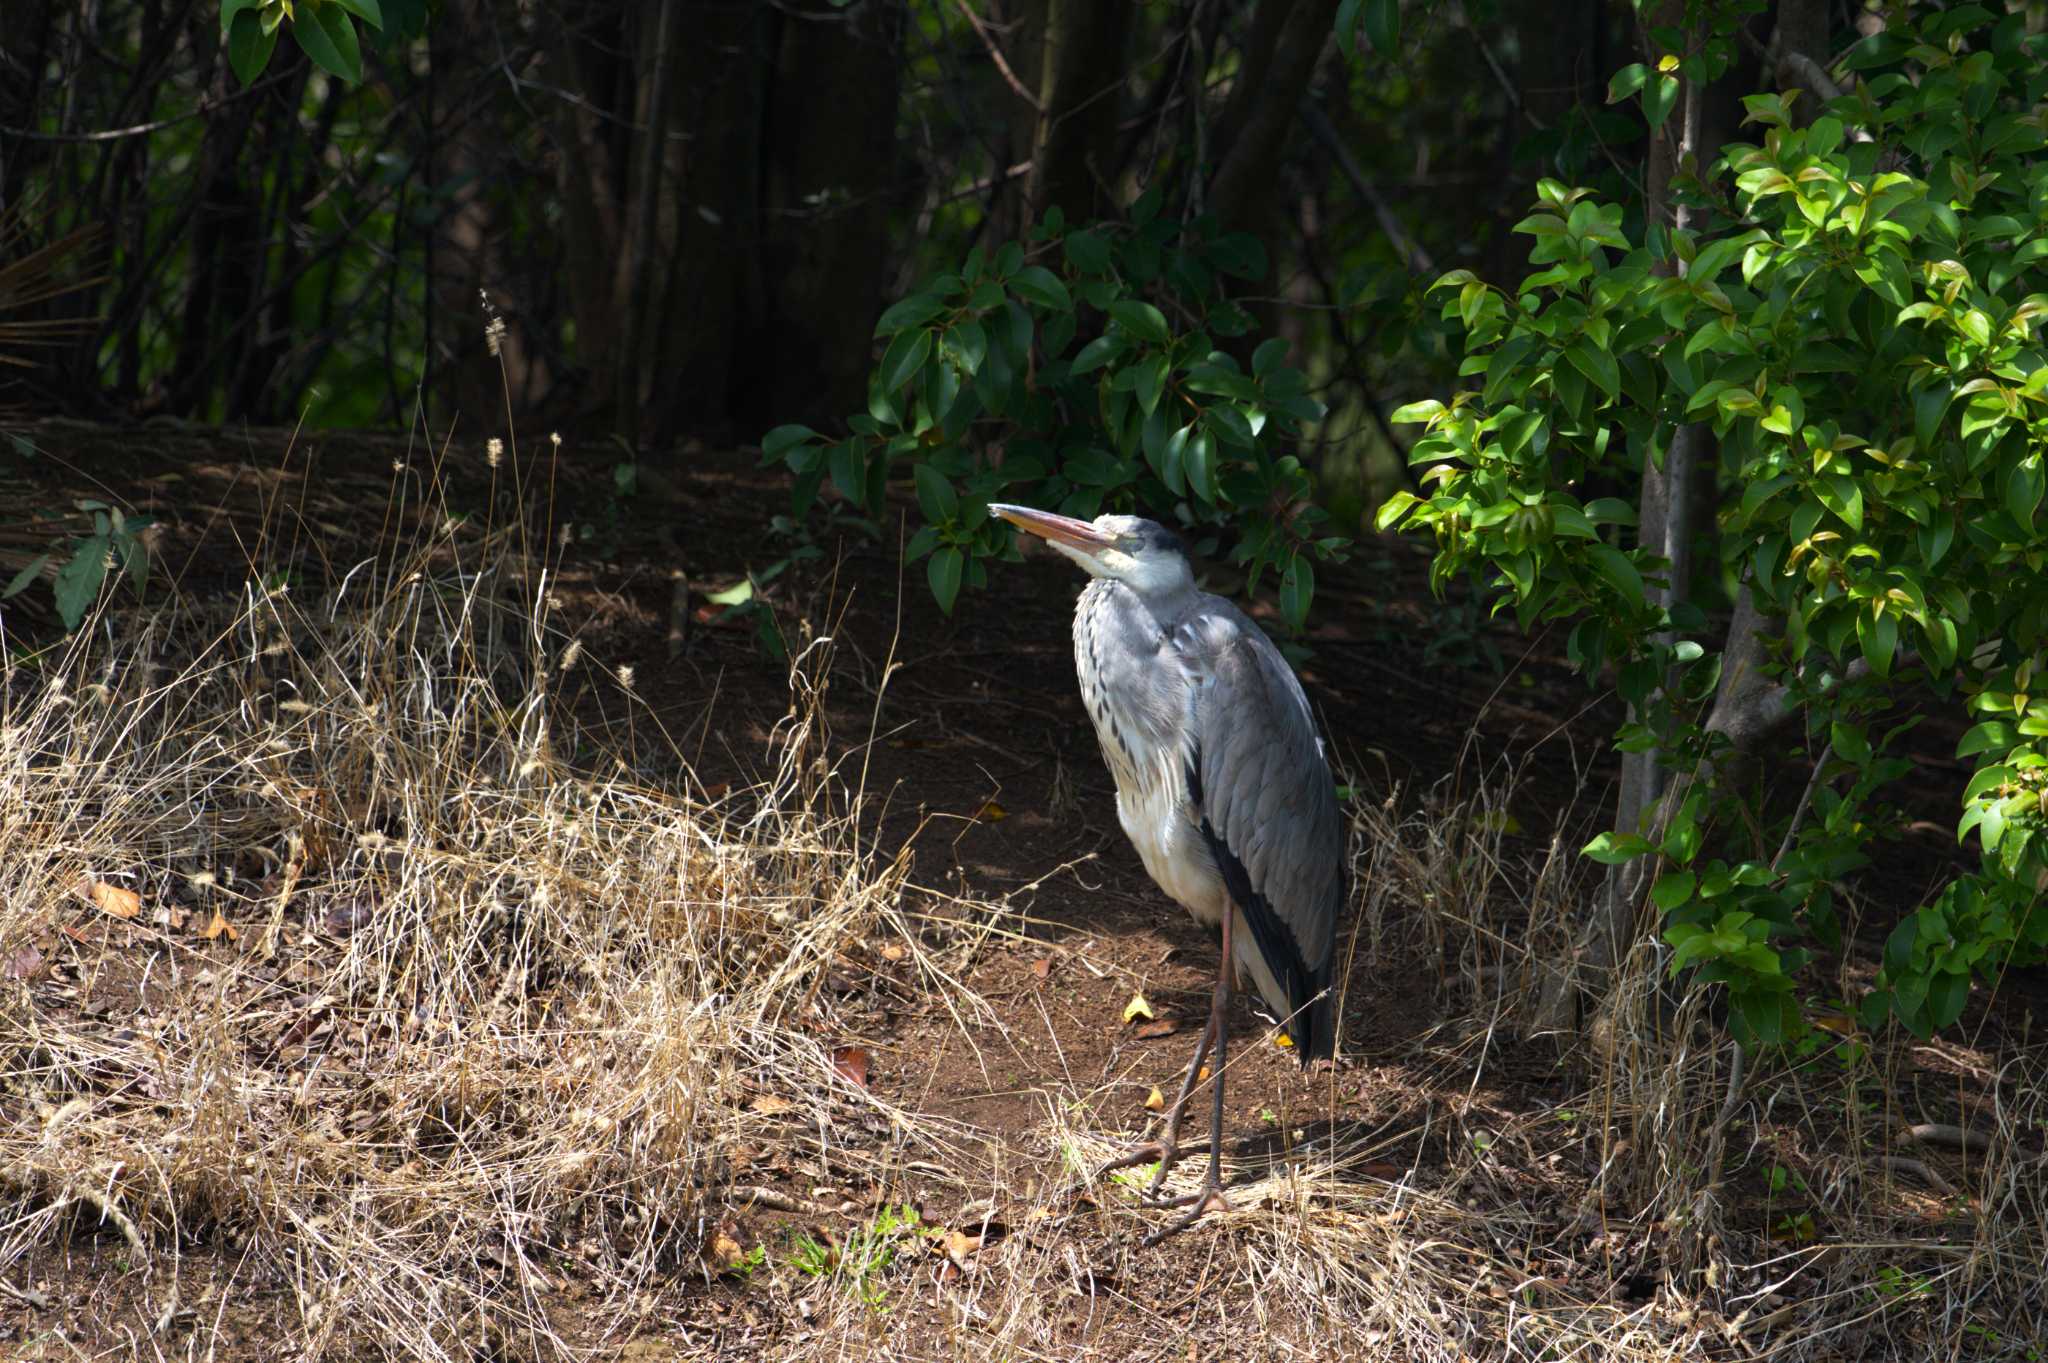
79	581
1383	26
1848	740
1393	509
1270	355
1596	364
1088	253
1619	571
905	356
2023	491
780	441
1878	636
1036	284
1659	96
915	310
942	571
27	575
365	10
330	40
249	47
1141	320
1200	463
1626	82
1416	413
1611	849
1672	889
935	495
1097	353
1842	495
1297	589
230	10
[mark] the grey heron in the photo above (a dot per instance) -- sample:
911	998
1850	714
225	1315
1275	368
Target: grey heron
1221	783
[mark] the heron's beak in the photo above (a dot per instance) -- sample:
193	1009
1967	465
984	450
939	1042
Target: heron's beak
1058	529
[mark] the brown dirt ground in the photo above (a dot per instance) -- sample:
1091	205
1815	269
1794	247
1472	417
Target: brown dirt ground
981	761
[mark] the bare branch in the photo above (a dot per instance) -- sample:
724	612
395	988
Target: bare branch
995	52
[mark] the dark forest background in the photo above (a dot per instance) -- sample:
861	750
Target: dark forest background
689	213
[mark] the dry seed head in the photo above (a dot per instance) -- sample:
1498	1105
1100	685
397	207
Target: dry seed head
494	451
626	676
571	654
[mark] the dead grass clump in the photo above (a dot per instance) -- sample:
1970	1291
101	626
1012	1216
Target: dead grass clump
315	947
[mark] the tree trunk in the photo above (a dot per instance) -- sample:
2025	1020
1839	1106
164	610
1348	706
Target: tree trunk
676	276
1664	528
1080	96
829	150
1748	708
468	382
1253	129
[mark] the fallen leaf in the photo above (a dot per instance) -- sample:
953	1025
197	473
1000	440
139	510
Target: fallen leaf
768	1105
724	1253
1042	967
1137	1008
992	811
851	1064
1157	1027
1155	1100
1203	1075
115	899
959	1244
221	925
892	952
24	961
1283	1041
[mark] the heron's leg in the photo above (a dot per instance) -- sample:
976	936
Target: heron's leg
1211	1197
1166	1148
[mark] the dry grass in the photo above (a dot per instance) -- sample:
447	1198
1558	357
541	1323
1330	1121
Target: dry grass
510	1045
493	1022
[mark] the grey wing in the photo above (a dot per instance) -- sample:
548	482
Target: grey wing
1262	789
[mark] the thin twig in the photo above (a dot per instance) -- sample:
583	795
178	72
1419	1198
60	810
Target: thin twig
995	52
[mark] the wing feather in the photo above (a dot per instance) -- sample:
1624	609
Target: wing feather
1261	787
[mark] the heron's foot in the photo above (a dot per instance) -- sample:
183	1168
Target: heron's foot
1164	1151
1199	1205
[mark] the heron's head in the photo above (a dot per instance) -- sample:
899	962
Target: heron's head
1143	555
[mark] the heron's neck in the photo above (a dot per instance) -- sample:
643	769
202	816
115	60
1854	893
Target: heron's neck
1165	608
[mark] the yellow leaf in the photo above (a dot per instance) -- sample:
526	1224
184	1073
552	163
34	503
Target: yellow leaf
115	899
1137	1008
221	925
1155	1100
993	812
724	1254
1283	1041
1667	63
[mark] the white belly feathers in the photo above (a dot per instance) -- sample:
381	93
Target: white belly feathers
1141	722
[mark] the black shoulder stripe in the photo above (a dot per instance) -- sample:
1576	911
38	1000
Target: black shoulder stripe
1275	941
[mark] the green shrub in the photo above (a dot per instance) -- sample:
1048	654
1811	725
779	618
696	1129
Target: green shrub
1857	323
1082	374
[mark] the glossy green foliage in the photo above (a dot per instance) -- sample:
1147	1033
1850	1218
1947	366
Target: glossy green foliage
325	30
1858	321
1081	372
